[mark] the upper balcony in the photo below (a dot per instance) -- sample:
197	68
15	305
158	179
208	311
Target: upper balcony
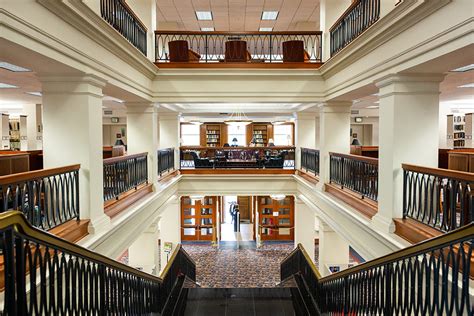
182	49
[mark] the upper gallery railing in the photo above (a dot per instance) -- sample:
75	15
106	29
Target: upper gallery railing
258	47
47	198
440	198
429	278
357	173
165	160
354	21
118	14
124	173
310	160
45	275
274	157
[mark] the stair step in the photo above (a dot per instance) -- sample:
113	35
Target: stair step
239	301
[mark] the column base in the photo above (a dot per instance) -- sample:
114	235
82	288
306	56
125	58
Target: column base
99	224
383	224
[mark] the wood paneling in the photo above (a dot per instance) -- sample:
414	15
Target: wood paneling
366	207
461	161
244	207
276	218
113	208
14	163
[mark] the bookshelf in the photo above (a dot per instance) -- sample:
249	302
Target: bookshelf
198	218
276	218
213	134
456	135
261	132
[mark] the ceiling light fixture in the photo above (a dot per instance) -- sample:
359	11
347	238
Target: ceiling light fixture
278	122
36	94
238	118
195	122
7	86
372	107
204	15
11	67
278	197
469	85
265	29
207	29
269	15
464	68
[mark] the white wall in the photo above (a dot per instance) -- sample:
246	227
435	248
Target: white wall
110	131
170	229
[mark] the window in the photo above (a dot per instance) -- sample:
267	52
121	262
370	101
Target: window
238	132
190	135
283	135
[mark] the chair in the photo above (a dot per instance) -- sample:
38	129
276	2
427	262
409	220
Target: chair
236	51
293	51
201	162
179	52
118	150
276	162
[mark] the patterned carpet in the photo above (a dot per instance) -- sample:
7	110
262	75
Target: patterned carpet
245	268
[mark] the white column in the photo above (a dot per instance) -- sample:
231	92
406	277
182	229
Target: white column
333	249
170	229
143	253
72	116
330	11
169	133
34	125
142	130
305	133
409	106
335	128
304	227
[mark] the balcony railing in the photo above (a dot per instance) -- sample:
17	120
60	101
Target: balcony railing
354	21
356	173
432	277
254	47
440	198
165	160
310	160
124	173
275	157
47	198
122	18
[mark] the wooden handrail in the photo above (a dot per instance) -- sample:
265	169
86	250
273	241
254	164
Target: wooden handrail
129	10
370	160
453	174
122	158
37	174
165	32
343	15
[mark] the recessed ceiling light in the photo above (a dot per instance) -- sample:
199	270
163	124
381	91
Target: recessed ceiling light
11	67
7	86
469	85
207	29
464	68
269	15
109	98
204	15
372	107
36	94
266	29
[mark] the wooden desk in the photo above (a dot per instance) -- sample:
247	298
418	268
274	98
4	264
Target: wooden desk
461	160
14	163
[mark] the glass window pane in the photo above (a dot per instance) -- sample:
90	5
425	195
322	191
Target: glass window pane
190	231
284	221
189	211
189	221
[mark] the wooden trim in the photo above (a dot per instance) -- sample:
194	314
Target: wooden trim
459	175
343	15
366	207
72	230
122	158
129	9
414	231
168	176
373	161
314	179
236	171
272	65
114	207
37	174
165	32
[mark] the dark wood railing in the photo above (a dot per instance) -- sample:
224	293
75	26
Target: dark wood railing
356	173
47	198
262	46
354	21
165	160
124	173
440	198
432	277
275	157
122	18
45	275
310	160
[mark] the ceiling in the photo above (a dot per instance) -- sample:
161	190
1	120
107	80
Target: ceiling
238	15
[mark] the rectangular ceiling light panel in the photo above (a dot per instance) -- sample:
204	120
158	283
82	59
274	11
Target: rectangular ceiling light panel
266	29
207	29
204	15
269	15
11	67
7	86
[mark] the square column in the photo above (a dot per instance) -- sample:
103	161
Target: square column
170	229
409	107
305	134
304	227
333	249
72	120
142	129
143	253
169	133
335	128
34	126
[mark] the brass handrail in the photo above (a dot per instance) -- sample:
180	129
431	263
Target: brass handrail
18	221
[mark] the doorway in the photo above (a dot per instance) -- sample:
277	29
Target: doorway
245	207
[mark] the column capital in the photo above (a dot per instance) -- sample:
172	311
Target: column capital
168	115
72	84
140	107
407	84
303	115
336	107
